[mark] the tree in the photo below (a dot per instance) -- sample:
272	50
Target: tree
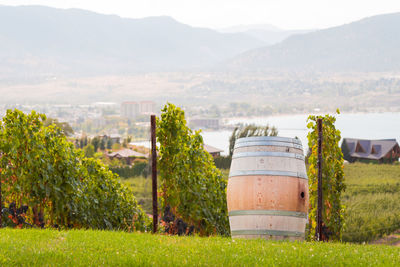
96	143
250	130
64	126
332	178
89	151
191	186
124	143
102	144
109	143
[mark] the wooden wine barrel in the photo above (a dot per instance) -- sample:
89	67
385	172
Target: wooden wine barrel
267	191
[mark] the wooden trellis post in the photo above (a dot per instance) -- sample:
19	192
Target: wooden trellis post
154	171
1	206
318	232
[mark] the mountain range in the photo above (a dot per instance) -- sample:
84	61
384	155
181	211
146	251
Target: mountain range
37	39
369	45
269	34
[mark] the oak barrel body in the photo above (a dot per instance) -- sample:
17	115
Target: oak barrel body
267	191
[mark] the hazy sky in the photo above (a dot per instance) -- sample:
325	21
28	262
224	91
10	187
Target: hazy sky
288	14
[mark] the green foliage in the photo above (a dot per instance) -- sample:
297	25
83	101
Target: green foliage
332	178
142	190
96	143
222	162
110	248
126	141
64	126
89	151
250	130
41	169
105	203
190	183
138	169
102	144
109	144
114	163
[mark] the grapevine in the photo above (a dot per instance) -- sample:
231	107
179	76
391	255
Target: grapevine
191	186
332	178
55	184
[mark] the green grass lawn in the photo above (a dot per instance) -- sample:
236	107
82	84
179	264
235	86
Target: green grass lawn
102	248
372	199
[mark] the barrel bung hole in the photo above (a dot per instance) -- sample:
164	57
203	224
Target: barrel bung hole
302	194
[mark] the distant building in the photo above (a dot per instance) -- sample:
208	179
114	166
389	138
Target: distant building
114	138
99	122
130	110
386	150
128	155
105	104
133	109
204	123
147	107
215	152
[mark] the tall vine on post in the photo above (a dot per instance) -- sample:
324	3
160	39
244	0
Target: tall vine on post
332	178
191	186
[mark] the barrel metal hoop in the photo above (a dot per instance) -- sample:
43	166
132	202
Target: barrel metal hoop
268	143
268	138
267	232
267	154
287	213
270	173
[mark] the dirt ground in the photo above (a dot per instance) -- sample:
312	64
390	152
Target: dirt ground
392	240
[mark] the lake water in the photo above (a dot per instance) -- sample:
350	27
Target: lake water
359	125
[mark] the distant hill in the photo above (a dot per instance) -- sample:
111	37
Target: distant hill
265	32
37	39
371	44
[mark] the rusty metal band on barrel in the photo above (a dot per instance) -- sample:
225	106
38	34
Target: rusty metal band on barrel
268	138
267	232
288	213
233	174
268	143
267	154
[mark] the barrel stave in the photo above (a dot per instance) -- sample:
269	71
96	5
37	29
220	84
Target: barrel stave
267	193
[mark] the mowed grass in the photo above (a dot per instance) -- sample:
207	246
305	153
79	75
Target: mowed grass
372	199
101	248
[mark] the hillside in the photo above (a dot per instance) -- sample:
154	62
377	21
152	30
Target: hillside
370	44
43	40
269	34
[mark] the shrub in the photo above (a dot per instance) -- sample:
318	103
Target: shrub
139	168
223	162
